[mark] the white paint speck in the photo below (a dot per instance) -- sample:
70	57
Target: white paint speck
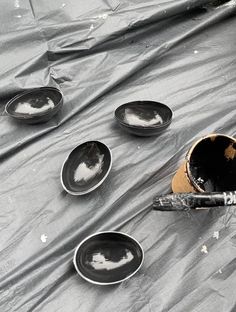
220	271
204	249
138	147
63	5
195	51
17	4
104	16
216	235
18	16
91	27
43	238
200	180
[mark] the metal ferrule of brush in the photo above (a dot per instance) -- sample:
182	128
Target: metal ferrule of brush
187	201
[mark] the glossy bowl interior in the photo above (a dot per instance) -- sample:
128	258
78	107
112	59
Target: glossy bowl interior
35	106
144	117
108	258
86	167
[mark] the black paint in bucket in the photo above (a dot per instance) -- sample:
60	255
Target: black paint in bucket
212	164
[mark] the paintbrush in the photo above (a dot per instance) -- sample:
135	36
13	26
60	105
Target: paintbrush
187	201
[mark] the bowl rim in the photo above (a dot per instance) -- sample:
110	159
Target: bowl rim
24	116
107	232
152	127
80	193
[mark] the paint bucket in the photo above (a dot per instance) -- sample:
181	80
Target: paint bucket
209	166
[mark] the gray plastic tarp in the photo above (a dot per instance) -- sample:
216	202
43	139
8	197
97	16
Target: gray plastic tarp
101	54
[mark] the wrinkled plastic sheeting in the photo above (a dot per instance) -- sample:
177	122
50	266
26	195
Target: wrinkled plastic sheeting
102	54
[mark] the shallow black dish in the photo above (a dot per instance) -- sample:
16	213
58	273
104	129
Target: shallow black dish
86	167
144	118
108	258
35	106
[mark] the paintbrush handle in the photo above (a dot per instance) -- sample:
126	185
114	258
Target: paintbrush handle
186	201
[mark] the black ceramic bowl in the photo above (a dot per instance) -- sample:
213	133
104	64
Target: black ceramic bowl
108	258
86	167
144	118
35	106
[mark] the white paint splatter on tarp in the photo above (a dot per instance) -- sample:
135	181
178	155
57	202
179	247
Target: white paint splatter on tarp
216	235
204	249
43	238
63	5
17	4
195	51
91	27
220	271
102	16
